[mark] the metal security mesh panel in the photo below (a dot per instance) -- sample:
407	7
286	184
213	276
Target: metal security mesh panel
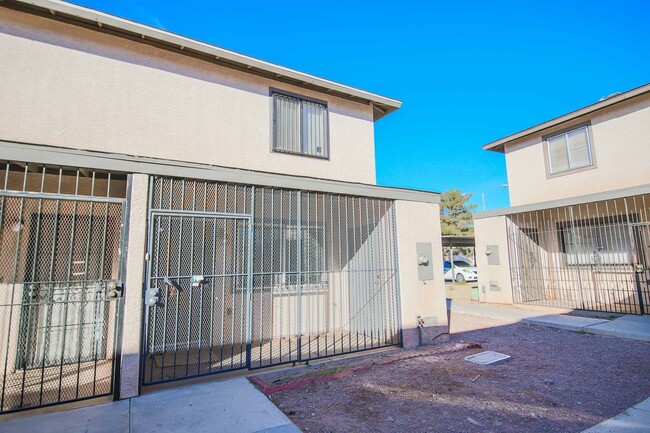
324	276
592	256
198	325
60	235
248	277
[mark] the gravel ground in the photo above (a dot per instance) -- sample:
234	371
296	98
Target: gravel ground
556	381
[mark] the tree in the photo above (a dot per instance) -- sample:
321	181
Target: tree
456	214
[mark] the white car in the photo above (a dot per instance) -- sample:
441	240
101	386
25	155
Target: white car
463	271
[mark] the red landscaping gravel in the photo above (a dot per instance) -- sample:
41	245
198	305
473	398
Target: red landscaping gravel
556	381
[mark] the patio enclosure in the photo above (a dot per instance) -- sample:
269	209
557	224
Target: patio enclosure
249	277
592	256
61	236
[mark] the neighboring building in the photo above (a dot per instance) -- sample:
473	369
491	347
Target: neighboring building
171	209
578	232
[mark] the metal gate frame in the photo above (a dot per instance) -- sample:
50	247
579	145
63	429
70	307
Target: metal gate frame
116	332
249	272
362	262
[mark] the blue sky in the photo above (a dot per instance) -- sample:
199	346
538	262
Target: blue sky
468	72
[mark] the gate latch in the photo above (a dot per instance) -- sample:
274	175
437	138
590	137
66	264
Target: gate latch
151	296
114	289
197	280
639	268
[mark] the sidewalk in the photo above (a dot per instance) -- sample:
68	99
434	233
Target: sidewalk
634	420
502	312
632	327
232	405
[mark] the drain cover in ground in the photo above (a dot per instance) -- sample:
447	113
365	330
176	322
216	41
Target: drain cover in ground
487	358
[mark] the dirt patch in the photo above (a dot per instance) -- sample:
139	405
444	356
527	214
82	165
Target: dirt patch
556	381
295	378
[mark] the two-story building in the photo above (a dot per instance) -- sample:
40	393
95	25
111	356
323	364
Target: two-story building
578	232
171	209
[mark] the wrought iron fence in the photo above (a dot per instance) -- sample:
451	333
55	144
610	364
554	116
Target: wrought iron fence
591	256
60	234
248	277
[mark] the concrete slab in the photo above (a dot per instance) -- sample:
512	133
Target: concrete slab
571	323
287	428
221	406
632	327
504	313
102	418
226	406
633	420
644	405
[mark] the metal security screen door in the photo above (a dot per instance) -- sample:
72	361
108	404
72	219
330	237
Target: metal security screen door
60	293
249	277
198	295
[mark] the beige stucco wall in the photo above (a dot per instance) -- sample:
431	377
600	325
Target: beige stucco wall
620	137
492	232
419	222
68	86
132	322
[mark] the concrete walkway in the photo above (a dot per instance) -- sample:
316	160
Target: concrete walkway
232	405
501	312
634	420
632	327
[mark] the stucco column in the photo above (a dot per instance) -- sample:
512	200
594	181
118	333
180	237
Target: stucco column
494	280
420	222
133	296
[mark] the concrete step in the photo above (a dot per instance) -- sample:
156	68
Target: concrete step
632	327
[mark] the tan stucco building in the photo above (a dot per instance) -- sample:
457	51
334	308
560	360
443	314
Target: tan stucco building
171	209
578	232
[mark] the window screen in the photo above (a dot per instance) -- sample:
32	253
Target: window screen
299	126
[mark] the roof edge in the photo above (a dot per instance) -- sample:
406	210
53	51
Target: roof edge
569	201
382	105
498	145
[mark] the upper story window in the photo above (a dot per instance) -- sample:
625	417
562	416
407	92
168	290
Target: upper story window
570	150
299	126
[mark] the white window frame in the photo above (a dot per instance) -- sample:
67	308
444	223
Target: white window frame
325	154
565	133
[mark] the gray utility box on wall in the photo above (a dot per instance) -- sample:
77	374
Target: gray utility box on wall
492	252
425	265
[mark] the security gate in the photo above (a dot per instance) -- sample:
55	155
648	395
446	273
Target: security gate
591	256
197	297
60	290
249	277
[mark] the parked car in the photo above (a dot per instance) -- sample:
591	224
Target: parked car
463	271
